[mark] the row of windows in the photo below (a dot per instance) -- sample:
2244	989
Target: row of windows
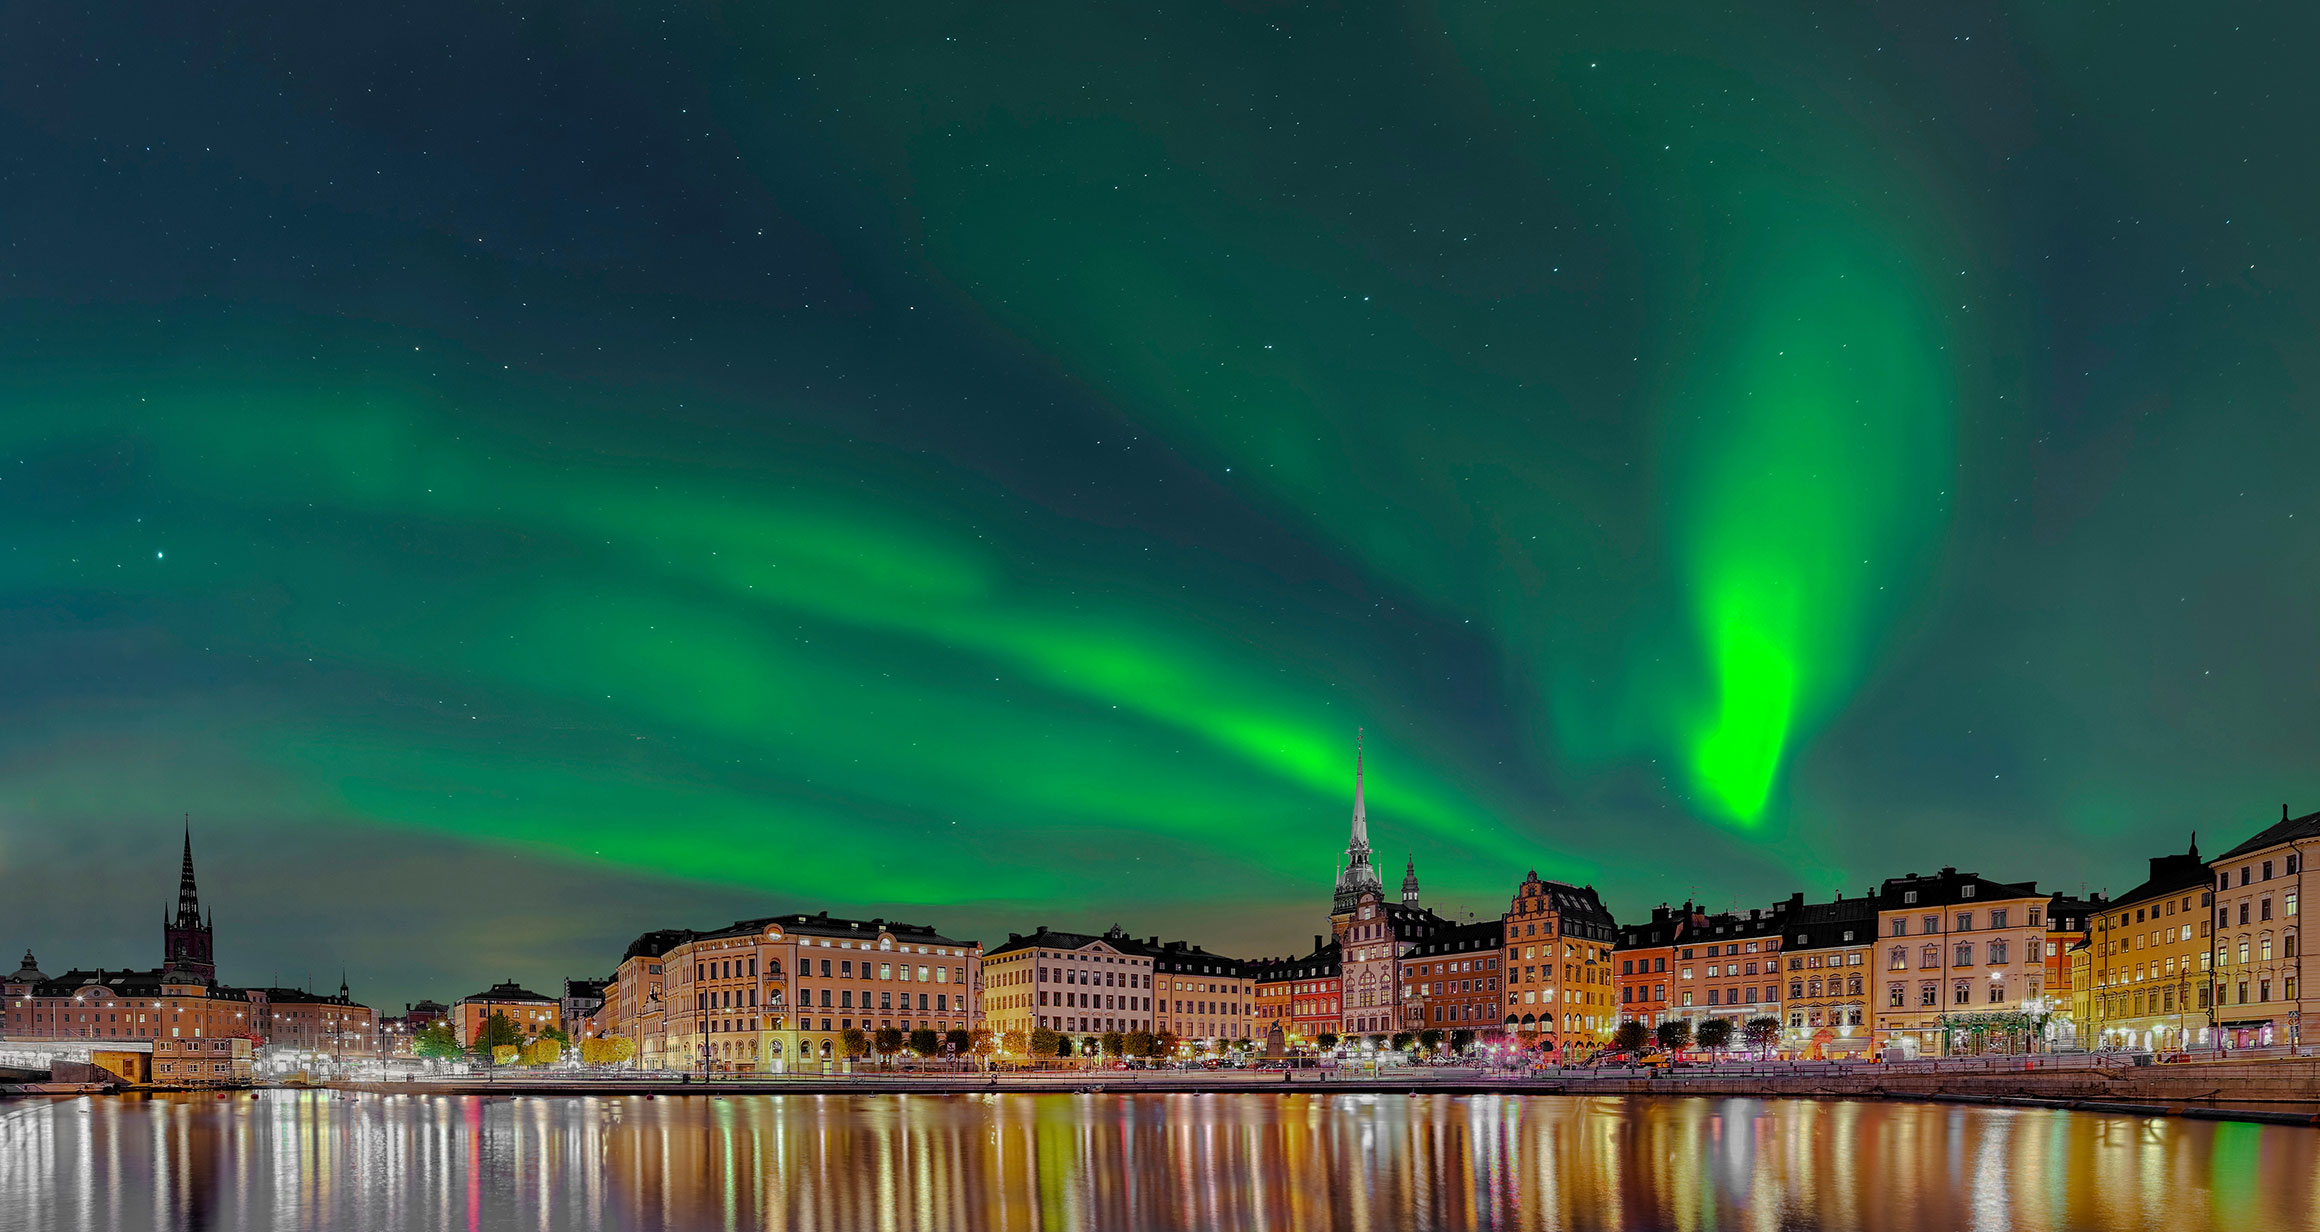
1897	958
941	1001
1095	1000
2263	949
1996	917
2263	908
2168	908
2157	1001
2246	873
1961	993
1847	1016
1799	962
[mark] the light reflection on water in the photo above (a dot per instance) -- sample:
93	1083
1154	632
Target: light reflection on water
1063	1163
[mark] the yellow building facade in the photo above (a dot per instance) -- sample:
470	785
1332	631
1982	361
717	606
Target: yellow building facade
2150	961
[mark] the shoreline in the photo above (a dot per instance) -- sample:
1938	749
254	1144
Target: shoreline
654	1090
2127	1097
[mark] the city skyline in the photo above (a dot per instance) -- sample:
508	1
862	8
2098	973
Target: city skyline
2081	985
519	478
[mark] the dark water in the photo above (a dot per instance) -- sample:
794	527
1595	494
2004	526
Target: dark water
1134	1161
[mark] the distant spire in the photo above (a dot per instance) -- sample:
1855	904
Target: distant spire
1356	877
1410	881
188	898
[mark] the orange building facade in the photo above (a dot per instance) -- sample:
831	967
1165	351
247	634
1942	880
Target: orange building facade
1561	992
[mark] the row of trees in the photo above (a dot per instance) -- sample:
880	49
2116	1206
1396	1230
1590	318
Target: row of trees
1042	1042
501	1042
888	1042
1714	1034
1429	1040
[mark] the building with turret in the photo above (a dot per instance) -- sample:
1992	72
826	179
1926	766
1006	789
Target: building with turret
1375	935
199	1032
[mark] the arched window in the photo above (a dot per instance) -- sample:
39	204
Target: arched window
1900	958
1929	957
773	966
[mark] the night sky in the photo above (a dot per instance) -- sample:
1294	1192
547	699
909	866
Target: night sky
523	475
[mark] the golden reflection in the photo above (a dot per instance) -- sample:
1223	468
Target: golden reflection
1093	1163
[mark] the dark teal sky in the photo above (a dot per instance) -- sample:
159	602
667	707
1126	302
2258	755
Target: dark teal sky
524	475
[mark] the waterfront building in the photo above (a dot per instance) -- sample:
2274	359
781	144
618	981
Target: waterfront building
1316	992
1075	983
2261	997
1643	953
2150	960
1452	978
1826	948
2069	922
127	1006
1729	966
1374	934
296	1025
195	1031
1961	964
765	995
1200	996
1560	985
583	1007
398	1032
2080	958
530	1012
634	1001
1297	997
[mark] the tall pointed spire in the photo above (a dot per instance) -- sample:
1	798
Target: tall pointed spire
185	940
1410	881
1357	875
188	899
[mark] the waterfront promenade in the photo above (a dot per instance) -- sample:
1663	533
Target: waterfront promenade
2274	1090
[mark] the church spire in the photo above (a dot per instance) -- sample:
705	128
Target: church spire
185	940
188	898
1357	876
1410	882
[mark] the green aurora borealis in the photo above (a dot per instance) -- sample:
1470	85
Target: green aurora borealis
524	477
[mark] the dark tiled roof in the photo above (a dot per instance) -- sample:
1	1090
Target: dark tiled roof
508	992
1185	957
2170	875
820	924
1947	887
299	996
127	984
1045	938
1817	926
2285	829
1323	963
1465	938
